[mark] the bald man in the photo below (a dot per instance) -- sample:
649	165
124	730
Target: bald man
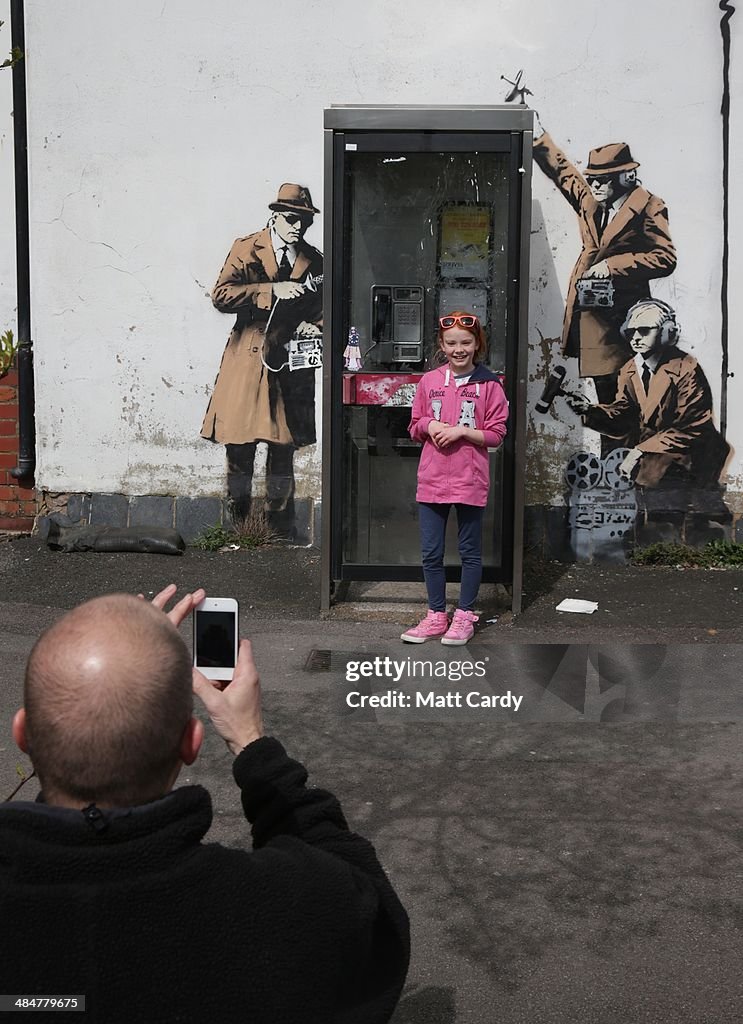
106	888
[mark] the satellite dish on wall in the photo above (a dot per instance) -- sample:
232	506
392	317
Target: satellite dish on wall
518	91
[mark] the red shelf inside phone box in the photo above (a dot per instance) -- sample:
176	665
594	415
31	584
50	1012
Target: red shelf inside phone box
380	388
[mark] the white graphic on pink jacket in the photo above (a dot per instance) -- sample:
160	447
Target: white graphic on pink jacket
467	415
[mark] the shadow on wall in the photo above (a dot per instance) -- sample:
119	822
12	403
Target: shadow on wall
547	451
546	301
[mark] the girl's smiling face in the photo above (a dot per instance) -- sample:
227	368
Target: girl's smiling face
460	347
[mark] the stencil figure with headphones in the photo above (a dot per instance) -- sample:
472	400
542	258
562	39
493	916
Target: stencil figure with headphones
663	406
626	243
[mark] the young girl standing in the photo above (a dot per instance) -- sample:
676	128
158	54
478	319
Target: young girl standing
459	411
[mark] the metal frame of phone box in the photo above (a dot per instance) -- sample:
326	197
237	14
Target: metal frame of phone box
385	125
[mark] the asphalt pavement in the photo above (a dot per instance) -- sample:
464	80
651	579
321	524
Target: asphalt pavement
576	857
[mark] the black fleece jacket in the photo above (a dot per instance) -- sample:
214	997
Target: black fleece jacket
153	925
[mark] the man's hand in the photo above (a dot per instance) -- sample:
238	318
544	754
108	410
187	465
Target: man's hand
179	611
598	270
288	289
234	708
308	330
628	467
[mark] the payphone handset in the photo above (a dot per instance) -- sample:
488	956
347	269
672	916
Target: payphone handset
397	322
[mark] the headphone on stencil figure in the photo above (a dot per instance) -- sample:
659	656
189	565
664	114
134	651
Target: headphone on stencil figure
670	329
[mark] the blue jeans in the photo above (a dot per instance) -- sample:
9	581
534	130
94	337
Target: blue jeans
433	519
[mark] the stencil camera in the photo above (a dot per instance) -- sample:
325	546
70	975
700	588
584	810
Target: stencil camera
595	293
305	353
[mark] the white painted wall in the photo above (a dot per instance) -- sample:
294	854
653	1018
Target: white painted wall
7	206
159	132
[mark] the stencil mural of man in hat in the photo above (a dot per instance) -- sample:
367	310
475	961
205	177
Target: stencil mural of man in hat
269	283
626	243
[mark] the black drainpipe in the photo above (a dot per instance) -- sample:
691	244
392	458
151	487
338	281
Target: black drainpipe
727	12
25	356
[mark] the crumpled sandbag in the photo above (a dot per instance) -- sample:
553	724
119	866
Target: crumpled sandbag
152	540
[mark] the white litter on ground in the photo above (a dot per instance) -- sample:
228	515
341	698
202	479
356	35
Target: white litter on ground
572	604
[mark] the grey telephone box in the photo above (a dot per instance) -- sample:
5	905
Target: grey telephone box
426	210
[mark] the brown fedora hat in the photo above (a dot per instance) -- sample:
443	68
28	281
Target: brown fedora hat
294	197
610	159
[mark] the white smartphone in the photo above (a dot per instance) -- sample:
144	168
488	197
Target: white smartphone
215	637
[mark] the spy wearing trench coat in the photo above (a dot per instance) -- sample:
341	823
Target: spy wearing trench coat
272	282
250	401
636	245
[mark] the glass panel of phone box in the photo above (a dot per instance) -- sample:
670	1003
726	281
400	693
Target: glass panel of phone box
428	234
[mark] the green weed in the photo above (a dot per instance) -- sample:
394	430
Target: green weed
7	351
252	532
717	554
213	538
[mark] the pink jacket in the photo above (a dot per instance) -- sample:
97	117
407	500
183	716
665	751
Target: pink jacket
461	472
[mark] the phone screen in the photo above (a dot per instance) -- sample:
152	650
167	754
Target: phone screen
215	639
